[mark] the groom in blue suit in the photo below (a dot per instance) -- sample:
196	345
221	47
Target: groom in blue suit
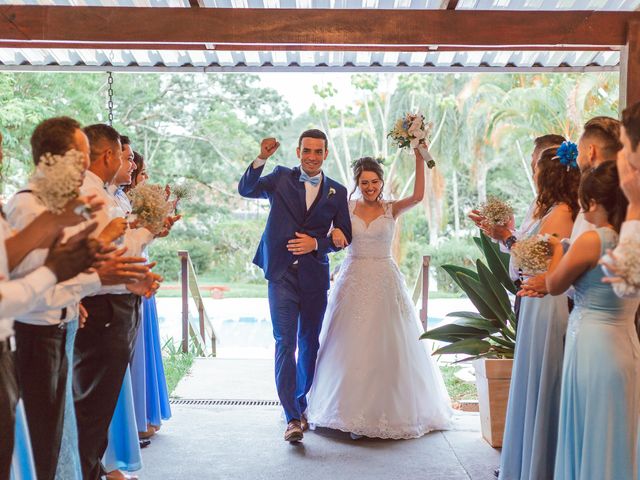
293	250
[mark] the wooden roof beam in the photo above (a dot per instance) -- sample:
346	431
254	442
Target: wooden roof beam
308	29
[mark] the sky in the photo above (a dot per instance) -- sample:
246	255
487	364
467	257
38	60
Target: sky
297	88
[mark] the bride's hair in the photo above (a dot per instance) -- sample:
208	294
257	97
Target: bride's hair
367	164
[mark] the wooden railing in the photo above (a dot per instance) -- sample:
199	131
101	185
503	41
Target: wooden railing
421	290
202	330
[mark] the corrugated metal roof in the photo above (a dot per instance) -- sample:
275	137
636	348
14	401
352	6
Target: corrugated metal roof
215	61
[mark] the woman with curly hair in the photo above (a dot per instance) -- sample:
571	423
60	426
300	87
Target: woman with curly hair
531	427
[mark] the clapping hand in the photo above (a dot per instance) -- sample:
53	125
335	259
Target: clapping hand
338	238
114	230
497	232
609	264
268	147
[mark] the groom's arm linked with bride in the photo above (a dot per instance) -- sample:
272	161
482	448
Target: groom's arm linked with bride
293	253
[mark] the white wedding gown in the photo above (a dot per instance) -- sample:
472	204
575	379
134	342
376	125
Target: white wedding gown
374	377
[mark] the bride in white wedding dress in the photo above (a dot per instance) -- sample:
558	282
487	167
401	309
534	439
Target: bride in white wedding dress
374	377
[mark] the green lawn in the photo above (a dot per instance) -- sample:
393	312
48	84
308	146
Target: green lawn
458	390
176	364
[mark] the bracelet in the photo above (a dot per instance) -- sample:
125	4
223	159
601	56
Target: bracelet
510	241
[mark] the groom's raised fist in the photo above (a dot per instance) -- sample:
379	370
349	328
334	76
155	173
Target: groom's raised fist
268	147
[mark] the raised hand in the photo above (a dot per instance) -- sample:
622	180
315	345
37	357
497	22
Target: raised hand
338	238
78	210
302	244
168	225
268	147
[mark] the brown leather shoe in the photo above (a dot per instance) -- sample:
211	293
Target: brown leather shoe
293	433
304	423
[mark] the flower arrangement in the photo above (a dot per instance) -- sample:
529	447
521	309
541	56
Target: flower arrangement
567	153
58	178
532	255
181	192
496	212
627	262
149	205
412	132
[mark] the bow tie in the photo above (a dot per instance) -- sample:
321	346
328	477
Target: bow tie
312	180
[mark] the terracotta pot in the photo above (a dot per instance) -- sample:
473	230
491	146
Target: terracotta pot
493	377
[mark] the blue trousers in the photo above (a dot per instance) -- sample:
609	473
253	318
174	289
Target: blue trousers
296	314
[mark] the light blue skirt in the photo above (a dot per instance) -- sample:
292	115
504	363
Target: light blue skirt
531	428
123	449
22	466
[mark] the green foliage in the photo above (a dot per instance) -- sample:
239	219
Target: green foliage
492	331
176	363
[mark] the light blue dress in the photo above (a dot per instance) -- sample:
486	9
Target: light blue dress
123	449
69	459
22	466
529	442
157	396
600	402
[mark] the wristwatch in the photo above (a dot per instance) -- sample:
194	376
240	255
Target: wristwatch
510	241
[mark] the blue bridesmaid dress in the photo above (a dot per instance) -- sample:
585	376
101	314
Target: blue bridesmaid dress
531	427
22	466
157	396
600	403
69	459
123	449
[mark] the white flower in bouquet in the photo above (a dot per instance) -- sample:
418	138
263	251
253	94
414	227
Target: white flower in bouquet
149	205
496	212
627	262
181	192
532	255
58	178
413	131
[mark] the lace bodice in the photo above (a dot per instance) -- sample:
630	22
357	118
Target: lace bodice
373	240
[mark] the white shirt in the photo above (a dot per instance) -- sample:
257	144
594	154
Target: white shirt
580	226
311	191
630	231
18	296
520	233
134	239
60	302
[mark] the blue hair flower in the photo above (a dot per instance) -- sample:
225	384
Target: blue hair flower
568	154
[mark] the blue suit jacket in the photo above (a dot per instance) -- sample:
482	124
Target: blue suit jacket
288	214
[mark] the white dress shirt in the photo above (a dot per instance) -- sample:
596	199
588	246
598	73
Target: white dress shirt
18	296
311	191
60	302
520	233
135	240
580	226
630	231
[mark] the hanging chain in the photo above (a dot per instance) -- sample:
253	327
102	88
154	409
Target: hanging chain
110	95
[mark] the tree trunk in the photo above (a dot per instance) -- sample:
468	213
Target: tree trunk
456	206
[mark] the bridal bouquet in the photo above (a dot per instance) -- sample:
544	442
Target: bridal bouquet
413	132
149	205
57	180
496	212
532	255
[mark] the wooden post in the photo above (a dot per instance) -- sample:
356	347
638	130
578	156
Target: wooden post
201	317
184	279
426	260
630	67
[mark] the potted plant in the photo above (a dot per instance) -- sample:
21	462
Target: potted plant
488	337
